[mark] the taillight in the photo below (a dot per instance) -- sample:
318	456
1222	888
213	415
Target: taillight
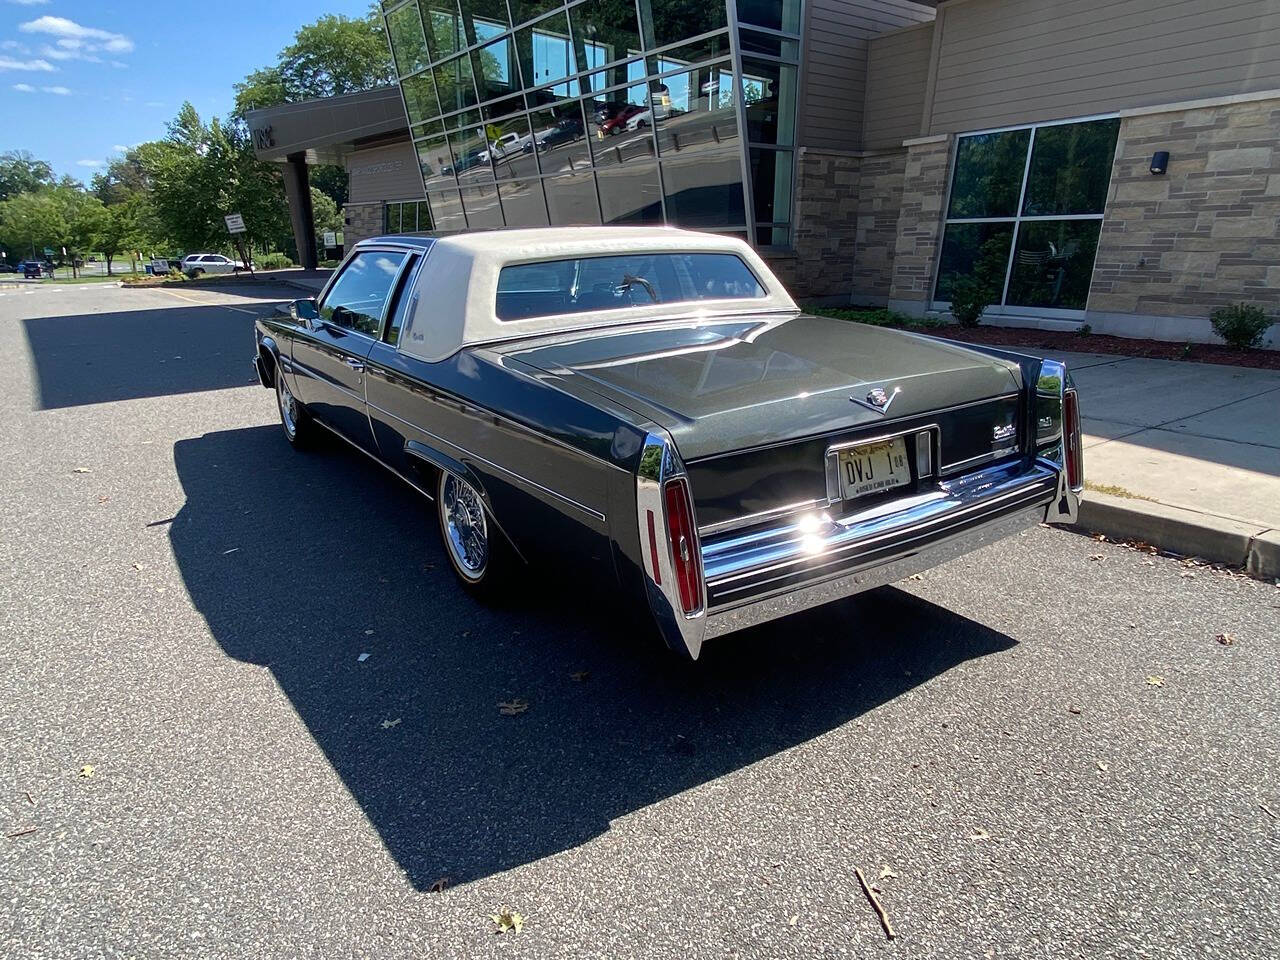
1071	440
684	544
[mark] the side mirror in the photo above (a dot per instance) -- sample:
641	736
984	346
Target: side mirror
304	310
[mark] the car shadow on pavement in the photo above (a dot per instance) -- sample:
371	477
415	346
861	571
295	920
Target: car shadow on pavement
102	357
302	562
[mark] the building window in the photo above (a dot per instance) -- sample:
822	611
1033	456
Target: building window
406	216
1025	213
593	111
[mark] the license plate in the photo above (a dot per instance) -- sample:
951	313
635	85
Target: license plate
874	468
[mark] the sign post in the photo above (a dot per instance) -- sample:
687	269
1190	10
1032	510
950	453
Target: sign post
235	227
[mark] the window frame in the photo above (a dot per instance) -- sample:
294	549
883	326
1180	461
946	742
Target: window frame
1002	309
407	250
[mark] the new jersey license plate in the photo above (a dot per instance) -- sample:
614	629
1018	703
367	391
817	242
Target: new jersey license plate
874	468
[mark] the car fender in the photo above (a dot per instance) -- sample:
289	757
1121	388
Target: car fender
419	454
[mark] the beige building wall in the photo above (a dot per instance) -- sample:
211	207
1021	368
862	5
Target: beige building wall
1174	248
1199	79
1007	62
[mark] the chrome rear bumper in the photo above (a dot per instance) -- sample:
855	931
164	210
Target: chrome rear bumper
763	574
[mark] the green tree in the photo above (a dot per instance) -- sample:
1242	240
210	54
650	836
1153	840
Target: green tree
200	173
20	172
31	221
332	56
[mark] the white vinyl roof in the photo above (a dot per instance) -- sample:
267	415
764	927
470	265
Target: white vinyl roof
457	288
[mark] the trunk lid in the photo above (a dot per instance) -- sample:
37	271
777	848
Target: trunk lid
731	385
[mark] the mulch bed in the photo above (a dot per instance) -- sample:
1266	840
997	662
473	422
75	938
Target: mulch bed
1102	343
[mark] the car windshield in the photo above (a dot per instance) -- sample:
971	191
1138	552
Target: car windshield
589	284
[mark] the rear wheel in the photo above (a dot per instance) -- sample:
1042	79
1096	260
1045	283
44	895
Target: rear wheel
197	273
294	417
476	549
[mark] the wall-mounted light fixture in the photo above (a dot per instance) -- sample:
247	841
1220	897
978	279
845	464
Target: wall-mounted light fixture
1160	163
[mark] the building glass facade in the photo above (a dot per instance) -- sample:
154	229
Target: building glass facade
537	113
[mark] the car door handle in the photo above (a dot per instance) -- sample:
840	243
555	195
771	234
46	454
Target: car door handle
353	363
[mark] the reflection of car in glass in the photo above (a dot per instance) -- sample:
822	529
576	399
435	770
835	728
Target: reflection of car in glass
645	118
650	406
608	110
618	122
566	131
507	143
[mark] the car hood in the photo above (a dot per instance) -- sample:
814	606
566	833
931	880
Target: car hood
733	384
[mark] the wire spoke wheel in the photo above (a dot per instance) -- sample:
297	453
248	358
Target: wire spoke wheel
467	532
288	406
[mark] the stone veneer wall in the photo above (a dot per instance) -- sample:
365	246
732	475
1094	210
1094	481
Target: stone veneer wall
919	230
880	188
826	227
1175	247
363	220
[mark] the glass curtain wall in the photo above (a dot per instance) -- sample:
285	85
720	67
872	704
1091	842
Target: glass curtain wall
534	113
1025	214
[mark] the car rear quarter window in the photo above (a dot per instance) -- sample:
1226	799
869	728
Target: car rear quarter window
590	284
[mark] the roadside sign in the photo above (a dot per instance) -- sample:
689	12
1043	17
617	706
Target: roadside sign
48	251
330	238
235	223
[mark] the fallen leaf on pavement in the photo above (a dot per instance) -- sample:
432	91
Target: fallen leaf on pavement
368	633
388	724
1096	556
1226	639
80	470
509	708
979	834
1101	766
362	658
579	676
1073	709
793	920
86	771
507	920
440	885
1155	681
137	566
886	873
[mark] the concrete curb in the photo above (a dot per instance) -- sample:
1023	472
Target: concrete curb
1217	539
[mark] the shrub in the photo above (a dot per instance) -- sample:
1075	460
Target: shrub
1241	324
329	264
969	300
1085	330
274	261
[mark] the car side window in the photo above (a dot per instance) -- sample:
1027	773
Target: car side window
358	297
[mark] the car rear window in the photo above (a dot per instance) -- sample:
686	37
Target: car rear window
589	284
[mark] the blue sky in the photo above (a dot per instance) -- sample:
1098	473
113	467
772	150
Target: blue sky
80	81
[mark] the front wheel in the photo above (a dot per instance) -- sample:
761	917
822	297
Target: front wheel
294	418
476	548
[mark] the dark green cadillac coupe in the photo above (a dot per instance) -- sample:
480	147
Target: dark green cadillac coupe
651	403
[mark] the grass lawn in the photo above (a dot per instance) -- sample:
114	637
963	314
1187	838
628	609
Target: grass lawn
96	279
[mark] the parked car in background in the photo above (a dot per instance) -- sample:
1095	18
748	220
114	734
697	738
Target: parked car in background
645	118
31	269
649	406
198	264
8	268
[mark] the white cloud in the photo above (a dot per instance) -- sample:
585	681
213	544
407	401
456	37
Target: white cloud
60	91
15	46
89	163
119	148
81	39
42	66
24	88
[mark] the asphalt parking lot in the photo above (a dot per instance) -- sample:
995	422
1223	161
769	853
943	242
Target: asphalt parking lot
1039	750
